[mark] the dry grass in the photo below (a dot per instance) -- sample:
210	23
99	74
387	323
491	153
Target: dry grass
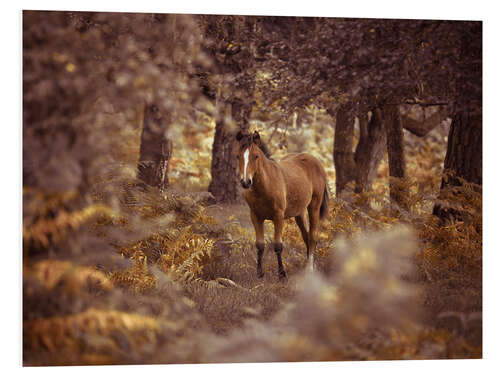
177	281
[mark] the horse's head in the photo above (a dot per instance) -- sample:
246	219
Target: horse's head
250	156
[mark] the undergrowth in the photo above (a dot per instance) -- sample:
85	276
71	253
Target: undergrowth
137	276
426	299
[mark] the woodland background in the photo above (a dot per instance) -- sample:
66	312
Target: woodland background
128	121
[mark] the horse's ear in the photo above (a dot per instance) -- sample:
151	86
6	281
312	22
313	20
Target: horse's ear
256	137
239	135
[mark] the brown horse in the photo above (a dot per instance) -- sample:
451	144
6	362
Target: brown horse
279	190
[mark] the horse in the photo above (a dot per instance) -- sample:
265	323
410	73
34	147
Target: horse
280	190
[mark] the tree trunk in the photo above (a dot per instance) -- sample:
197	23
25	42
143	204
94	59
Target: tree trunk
156	149
234	65
224	185
343	157
464	155
396	157
370	149
361	166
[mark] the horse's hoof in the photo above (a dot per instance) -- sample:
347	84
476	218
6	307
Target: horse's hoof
282	275
260	274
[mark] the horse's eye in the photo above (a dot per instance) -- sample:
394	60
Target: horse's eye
256	157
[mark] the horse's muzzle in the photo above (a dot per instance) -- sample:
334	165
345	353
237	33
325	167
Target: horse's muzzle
246	183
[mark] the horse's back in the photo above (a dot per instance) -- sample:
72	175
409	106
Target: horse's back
304	164
304	178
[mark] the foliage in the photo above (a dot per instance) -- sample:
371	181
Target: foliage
326	319
205	258
332	60
115	272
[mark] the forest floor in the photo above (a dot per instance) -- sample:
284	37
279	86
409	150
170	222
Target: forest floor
180	284
449	303
249	296
223	212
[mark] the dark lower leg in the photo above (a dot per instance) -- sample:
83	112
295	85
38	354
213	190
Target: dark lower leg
278	248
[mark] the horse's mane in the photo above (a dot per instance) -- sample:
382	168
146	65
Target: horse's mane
247	140
264	149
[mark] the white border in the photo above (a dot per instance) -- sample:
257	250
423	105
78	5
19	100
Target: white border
429	9
12	142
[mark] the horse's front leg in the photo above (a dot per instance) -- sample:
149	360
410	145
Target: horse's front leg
258	225
278	222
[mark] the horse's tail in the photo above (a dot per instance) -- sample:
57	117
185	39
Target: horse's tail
323	210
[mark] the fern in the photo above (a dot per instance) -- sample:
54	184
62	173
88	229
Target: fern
192	267
80	333
47	230
51	272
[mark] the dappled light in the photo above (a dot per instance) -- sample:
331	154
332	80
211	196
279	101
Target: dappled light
138	246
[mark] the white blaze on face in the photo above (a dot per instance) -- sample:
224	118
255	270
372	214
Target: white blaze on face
245	159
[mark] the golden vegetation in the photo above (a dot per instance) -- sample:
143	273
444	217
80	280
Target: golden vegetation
389	283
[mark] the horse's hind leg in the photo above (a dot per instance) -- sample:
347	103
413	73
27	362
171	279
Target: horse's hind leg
300	220
258	225
278	222
313	210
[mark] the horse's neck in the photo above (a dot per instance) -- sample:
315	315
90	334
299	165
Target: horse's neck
265	175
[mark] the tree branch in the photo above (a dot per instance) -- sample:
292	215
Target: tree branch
422	128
